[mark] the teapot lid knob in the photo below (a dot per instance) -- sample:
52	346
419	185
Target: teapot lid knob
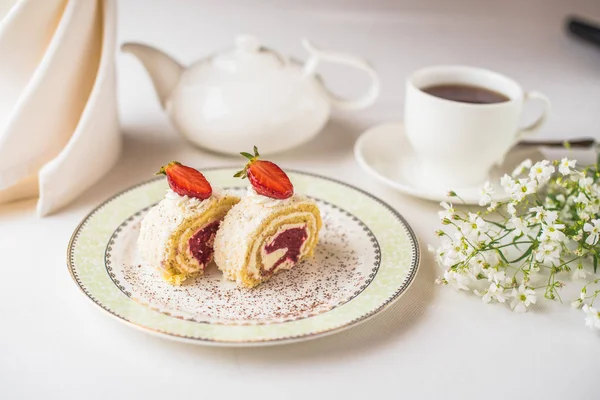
247	43
248	57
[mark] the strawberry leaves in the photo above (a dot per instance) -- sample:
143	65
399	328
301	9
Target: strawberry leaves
266	177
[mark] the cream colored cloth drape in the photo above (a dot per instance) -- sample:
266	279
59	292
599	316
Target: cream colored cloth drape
59	131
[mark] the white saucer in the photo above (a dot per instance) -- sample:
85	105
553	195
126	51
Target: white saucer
384	152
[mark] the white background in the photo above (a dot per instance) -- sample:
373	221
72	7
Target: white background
434	343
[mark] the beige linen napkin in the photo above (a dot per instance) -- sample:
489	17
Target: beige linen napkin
64	131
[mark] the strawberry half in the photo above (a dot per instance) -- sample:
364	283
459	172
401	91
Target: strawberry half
186	181
266	177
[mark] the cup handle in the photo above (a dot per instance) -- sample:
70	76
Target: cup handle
537	124
317	55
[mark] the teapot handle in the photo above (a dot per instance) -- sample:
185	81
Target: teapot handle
316	55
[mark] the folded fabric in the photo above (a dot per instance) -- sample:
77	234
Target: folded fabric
24	189
37	22
64	129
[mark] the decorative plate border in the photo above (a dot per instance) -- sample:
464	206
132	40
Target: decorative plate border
369	278
130	310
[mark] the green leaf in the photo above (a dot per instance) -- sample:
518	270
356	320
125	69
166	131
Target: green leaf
525	255
499	225
163	169
595	263
502	256
240	174
247	155
256	152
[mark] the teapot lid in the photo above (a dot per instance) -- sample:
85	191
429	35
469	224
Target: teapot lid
247	56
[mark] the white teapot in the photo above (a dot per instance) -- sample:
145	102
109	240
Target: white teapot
249	96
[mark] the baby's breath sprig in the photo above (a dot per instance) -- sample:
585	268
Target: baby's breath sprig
514	251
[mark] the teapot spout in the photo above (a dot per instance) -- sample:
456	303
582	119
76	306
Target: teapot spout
163	70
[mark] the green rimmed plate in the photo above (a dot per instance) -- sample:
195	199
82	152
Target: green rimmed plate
366	259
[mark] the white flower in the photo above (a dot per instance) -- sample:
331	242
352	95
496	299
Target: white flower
552	208
511	209
492	258
482	262
581	198
575	175
451	252
550	217
547	253
543	215
541	171
540	213
565	166
525	164
522	298
507	183
593	230
486	194
493	206
553	233
431	249
474	227
497	293
585	182
583	215
520	227
493	293
592	317
522	188
496	276
448	212
579	273
456	280
476	263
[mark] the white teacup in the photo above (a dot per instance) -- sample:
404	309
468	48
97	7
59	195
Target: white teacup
457	143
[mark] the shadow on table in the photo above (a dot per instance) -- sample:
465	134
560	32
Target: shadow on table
386	327
145	149
336	140
18	207
389	326
147	146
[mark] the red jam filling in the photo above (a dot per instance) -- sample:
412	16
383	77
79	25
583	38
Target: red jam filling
201	243
292	240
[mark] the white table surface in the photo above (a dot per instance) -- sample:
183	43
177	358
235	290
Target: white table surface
434	343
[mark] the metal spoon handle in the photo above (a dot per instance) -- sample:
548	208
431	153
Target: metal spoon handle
574	143
584	30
